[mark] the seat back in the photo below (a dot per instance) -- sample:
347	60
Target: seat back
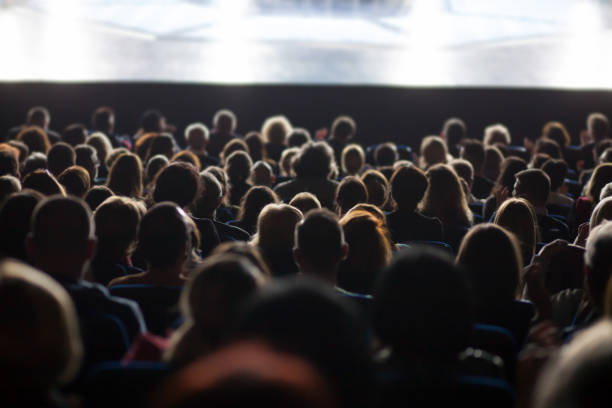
498	341
436	244
566	270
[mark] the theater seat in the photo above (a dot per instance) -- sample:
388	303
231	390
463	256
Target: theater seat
436	244
159	304
559	209
518	151
498	341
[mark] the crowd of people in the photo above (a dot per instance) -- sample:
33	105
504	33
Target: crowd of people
208	268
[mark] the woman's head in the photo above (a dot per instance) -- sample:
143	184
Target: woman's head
75	180
276	225
100	142
305	202
179	183
518	216
602	175
350	192
601	213
509	167
35	138
253	202
276	129
558	132
238	167
445	197
353	159
492	259
433	151
314	160
377	186
408	186
125	176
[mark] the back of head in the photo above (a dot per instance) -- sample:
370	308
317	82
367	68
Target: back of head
196	136
408	186
556	169
179	182
287	160
60	157
343	128
164	235
117	220
606	191
433	151
532	185
75	134
9	162
232	146
154	165
262	174
35	138
43	182
210	197
96	196
187	157
549	147
255	143
464	169
378	187
162	144
386	154
125	176
275	129
75	180
518	216
492	163
305	202
422	307
8	185
23	149
350	192
151	121
473	151
275	226
40	343
445	197
602	175
353	159
497	133
87	158
238	167
298	137
254	201
103	146
454	130
15	217
598	259
35	161
507	175
598	125
601	213
314	160
224	121
38	116
492	259
103	119
558	132
320	240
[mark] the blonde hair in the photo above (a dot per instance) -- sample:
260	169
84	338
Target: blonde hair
433	151
276	129
275	226
497	133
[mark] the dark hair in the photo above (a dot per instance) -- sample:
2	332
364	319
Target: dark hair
117	220
408	186
535	184
178	182
556	170
507	175
550	147
24	150
154	166
298	137
75	180
454	130
343	128
102	119
255	199
598	125
43	182
96	196
319	238
15	216
208	200
162	144
125	176
150	121
426	280
377	185
255	144
75	134
37	114
60	157
238	167
557	131
350	191
35	138
164	235
224	121
187	157
315	159
234	145
386	154
474	152
87	157
9	164
35	161
602	175
8	185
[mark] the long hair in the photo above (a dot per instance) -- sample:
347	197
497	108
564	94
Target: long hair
444	198
125	177
602	175
518	216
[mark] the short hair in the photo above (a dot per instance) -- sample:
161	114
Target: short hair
497	133
35	161
87	157
598	125
96	196
35	138
606	191
60	157
209	199
40	345
154	165
187	157
164	235
492	163
352	159
408	186
117	220
8	185
75	180
150	121
38	114
225	121
599	260
534	184
15	215
386	154
262	173
433	151
244	250
162	144
61	224
276	225
196	135
24	150
179	183
125	176
75	134
606	156
275	129
102	119
493	262
350	192
43	182
602	175
425	279
507	174
556	170
602	212
464	169
315	159
298	137
558	132
343	128
221	177
234	145
454	130
9	164
550	147
473	151
255	144
320	238
305	202
287	159
102	144
254	201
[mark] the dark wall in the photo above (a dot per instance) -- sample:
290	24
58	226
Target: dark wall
404	115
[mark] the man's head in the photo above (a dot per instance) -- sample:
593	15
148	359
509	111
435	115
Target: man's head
210	199
224	121
597	126
39	116
408	186
319	244
60	157
61	238
453	131
343	128
179	182
533	185
75	134
196	136
152	121
474	152
598	261
103	120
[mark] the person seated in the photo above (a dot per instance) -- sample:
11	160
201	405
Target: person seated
37	116
408	186
41	344
497	133
15	216
369	252
125	176
516	215
23	150
423	314
255	144
8	185
473	151
154	166
556	169
87	158
285	165
9	161
558	132
117	220
465	171
352	160
377	185
453	132
298	137
103	121
534	186
343	130
509	167
446	200
238	168
599	157
210	305
43	182
96	196
433	151
61	242
60	157
262	174
251	206
549	147
275	237
275	130
187	157
103	148
602	175
350	192
35	138
492	162
601	213
162	143
75	134
179	183
224	128
313	167
75	180
492	260
35	161
305	202
597	130
385	156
